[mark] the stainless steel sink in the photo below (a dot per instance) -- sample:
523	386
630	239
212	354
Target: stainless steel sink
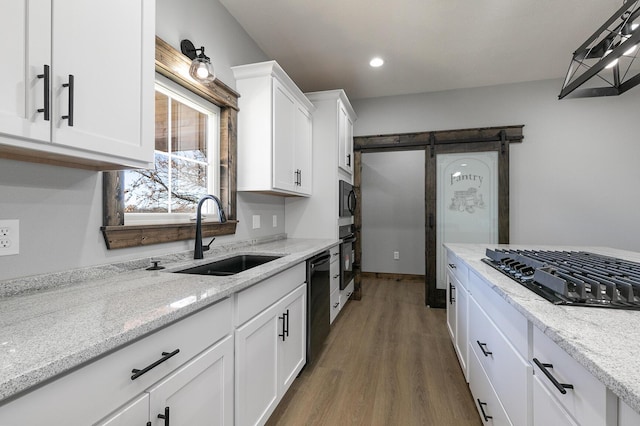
230	266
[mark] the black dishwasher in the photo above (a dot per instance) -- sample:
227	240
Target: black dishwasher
317	304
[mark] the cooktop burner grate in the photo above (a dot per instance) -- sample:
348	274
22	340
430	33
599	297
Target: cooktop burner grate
572	277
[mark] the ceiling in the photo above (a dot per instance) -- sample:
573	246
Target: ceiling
427	45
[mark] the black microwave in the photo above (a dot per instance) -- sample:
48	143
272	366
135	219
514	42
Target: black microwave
347	200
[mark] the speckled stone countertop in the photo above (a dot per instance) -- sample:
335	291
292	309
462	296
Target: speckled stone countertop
52	323
605	341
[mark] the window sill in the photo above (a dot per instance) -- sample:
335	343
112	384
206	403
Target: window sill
143	235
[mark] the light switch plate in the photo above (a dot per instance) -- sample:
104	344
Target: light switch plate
275	220
256	221
9	237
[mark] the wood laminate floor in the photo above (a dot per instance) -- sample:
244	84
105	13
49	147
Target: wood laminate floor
387	361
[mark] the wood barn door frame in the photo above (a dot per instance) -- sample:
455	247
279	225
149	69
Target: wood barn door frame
433	143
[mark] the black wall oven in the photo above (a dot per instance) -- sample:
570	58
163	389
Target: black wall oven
347	201
347	254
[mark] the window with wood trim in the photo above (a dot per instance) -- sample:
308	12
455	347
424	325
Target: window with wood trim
118	233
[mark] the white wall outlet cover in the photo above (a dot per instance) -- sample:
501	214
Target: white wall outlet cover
9	237
256	221
396	255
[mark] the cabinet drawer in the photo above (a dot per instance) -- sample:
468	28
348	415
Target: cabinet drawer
507	319
457	268
489	407
546	408
334	300
507	371
334	275
335	253
255	299
589	401
346	293
85	395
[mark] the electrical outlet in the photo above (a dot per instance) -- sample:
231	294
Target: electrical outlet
275	220
9	237
256	221
396	255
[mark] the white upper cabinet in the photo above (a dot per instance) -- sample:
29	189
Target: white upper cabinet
77	82
274	131
346	118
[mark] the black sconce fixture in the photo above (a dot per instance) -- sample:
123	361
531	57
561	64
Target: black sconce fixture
604	64
201	68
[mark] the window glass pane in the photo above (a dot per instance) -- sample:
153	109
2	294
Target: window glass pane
188	132
162	122
146	191
188	185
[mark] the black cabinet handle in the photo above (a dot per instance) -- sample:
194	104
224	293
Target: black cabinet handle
481	405
562	387
46	75
348	160
165	416
285	325
482	348
452	265
70	85
165	356
452	288
336	304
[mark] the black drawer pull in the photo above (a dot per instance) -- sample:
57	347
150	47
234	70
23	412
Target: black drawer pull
285	325
71	86
46	75
481	405
482	348
452	265
165	356
562	387
452	298
335	305
165	416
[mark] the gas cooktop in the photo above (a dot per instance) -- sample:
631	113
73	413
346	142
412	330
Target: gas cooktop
576	278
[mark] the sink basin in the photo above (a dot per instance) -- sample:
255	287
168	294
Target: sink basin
230	266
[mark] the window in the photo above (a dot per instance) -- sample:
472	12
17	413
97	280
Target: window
186	159
173	66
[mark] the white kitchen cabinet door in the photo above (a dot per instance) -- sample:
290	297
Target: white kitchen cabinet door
489	408
134	413
102	116
200	392
345	138
25	28
292	346
303	150
452	306
546	409
462	327
108	47
284	113
256	369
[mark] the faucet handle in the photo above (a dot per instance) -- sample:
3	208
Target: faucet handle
208	246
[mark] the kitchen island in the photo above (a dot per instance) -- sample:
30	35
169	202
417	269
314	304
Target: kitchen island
52	324
605	342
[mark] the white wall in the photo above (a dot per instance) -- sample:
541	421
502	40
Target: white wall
392	192
60	210
574	178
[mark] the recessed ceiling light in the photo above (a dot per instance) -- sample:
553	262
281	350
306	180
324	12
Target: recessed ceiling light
376	62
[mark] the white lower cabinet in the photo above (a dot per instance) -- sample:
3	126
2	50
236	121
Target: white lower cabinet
86	396
271	345
199	393
487	402
570	385
547	409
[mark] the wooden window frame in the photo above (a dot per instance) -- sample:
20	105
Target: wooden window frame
175	66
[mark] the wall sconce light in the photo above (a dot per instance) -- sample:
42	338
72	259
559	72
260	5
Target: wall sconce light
604	64
201	68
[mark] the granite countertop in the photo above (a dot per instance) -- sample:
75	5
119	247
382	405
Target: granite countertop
605	341
52	323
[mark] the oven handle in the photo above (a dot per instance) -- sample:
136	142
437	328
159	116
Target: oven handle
349	239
